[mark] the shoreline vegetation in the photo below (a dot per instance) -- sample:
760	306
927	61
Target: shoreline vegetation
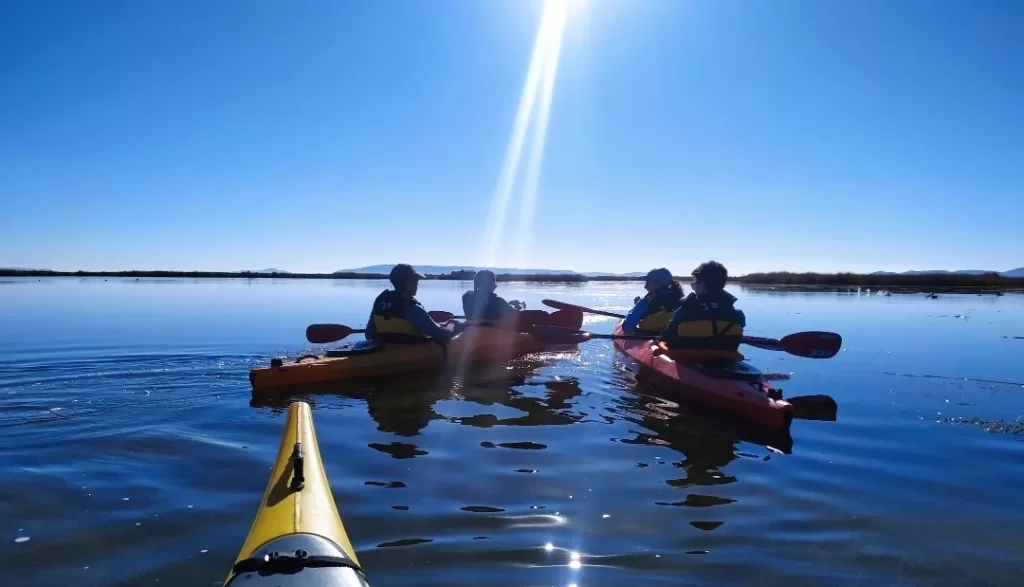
839	282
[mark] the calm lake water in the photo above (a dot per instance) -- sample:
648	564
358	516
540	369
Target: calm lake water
130	453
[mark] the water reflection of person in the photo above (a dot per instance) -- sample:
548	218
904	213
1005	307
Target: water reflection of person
708	443
547	411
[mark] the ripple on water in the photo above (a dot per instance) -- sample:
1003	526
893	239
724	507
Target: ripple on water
560	470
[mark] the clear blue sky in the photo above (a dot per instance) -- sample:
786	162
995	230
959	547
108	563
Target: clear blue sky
320	135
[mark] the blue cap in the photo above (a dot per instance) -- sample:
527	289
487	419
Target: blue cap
660	275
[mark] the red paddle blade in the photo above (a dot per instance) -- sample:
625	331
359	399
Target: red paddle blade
567	318
813	345
323	333
556	335
440	315
526	320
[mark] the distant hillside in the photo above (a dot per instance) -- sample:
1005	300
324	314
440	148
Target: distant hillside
444	269
917	280
600	274
271	270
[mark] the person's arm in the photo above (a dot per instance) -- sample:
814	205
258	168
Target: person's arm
505	307
417	315
635	315
371	328
468	305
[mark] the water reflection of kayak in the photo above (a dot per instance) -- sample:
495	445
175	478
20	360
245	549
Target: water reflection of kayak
297	538
404	405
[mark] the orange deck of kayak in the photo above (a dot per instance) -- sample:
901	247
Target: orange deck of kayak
472	345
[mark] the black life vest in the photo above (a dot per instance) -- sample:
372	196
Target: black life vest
710	321
486	306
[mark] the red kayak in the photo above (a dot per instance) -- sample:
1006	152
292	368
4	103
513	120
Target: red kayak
728	384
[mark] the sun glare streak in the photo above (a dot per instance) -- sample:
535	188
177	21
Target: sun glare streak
531	182
539	83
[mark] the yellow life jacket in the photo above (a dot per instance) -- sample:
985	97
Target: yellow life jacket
656	321
388	317
661	305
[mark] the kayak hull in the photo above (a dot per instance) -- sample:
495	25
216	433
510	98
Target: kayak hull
753	401
292	519
474	344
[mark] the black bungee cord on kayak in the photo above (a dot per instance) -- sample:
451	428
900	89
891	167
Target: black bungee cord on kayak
274	563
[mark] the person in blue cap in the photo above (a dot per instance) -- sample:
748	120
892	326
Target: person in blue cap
708	318
398	317
481	303
653	311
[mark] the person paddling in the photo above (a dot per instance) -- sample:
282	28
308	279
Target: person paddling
481	303
398	317
653	312
707	318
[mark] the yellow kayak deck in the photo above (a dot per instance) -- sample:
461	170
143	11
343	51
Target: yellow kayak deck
297	514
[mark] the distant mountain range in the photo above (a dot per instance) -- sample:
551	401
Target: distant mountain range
439	269
271	270
1018	272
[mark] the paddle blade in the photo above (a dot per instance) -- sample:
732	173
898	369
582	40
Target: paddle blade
556	335
572	319
573	307
813	345
561	305
440	316
323	333
814	407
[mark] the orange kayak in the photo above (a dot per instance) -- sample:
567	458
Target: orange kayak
730	385
477	343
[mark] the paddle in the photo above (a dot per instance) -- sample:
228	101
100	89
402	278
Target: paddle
814	407
442	316
813	344
519	320
324	333
567	306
